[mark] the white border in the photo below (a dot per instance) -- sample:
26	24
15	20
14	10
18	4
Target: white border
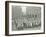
28	31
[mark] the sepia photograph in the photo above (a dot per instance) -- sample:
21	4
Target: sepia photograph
25	18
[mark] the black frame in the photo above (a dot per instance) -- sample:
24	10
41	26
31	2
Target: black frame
7	17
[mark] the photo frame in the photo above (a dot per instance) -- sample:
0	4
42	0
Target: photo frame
24	18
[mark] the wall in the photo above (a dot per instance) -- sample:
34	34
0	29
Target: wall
2	18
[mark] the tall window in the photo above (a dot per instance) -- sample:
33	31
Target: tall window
23	10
